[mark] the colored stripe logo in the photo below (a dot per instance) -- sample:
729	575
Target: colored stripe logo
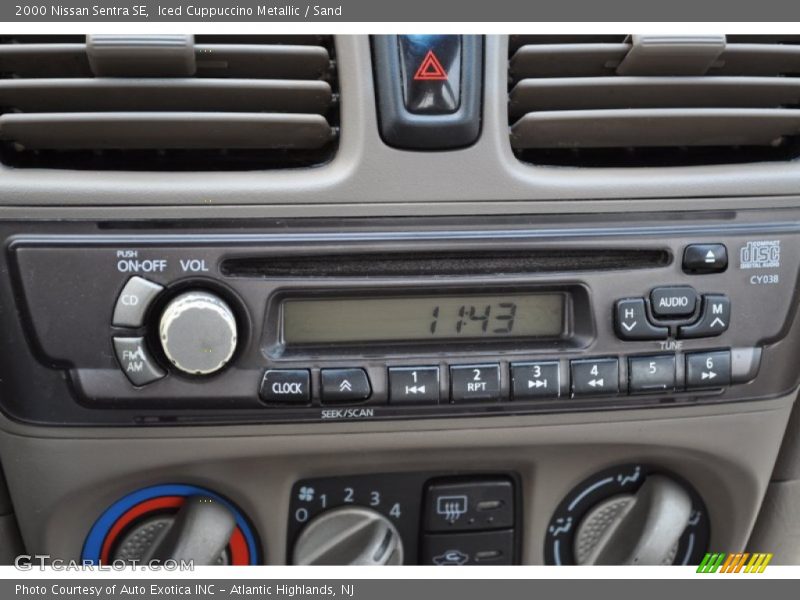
741	562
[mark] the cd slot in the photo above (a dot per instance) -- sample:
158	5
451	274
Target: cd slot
443	264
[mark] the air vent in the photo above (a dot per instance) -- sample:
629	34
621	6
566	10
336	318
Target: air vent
202	102
653	100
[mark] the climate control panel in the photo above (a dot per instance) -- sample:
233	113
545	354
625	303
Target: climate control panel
406	518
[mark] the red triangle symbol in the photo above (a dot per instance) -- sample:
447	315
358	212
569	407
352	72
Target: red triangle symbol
430	69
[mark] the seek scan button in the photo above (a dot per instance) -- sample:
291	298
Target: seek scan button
286	386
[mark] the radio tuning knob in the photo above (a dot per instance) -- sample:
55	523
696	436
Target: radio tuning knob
198	332
350	535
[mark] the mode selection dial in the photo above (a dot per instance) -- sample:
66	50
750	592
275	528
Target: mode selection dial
626	515
198	332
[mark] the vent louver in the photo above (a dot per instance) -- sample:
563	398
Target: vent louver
653	100
205	102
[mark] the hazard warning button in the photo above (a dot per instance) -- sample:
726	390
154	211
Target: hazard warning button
430	66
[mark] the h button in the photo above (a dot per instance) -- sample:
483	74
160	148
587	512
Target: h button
631	323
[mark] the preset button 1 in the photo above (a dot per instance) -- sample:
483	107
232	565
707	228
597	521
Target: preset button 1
414	385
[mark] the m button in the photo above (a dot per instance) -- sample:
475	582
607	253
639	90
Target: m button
713	321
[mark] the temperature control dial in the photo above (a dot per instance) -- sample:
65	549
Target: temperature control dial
198	332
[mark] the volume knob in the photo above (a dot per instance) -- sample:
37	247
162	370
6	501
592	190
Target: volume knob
198	332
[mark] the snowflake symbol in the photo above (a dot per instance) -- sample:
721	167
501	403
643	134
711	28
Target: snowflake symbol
306	494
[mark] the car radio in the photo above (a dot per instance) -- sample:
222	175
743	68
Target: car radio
331	324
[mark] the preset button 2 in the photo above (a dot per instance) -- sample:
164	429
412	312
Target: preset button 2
475	383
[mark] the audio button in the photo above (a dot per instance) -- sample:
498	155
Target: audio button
673	301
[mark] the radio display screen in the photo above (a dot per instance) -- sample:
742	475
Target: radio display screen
422	318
